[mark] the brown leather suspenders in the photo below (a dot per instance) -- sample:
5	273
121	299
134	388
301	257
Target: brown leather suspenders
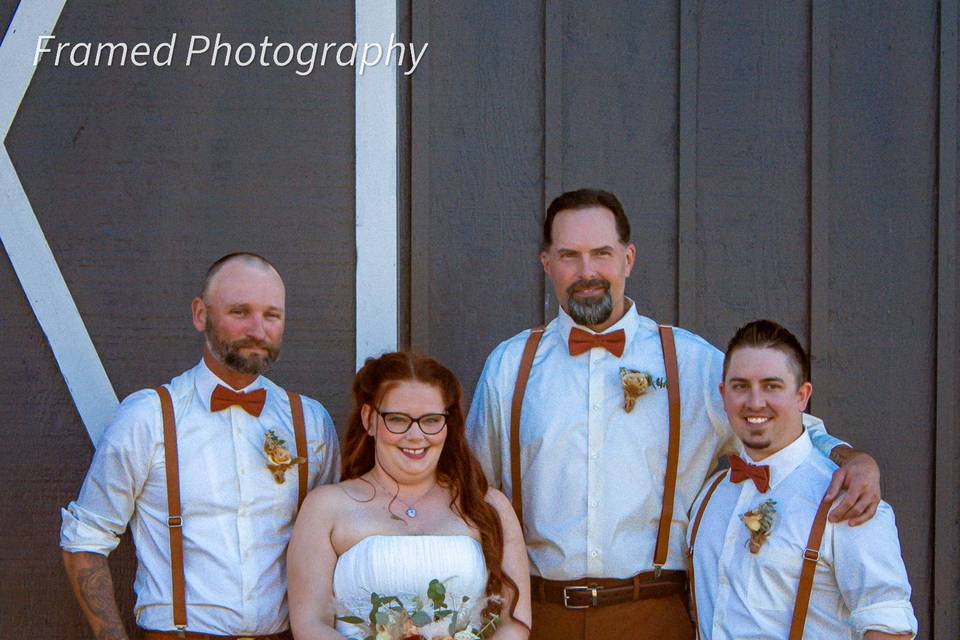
673	449
174	514
810	557
526	363
695	526
300	439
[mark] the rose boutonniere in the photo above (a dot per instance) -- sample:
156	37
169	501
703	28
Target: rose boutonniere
635	384
278	456
759	522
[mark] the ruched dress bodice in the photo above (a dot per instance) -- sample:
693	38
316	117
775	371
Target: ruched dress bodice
403	566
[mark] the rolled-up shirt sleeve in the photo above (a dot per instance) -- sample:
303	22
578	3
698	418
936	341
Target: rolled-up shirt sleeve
872	577
121	463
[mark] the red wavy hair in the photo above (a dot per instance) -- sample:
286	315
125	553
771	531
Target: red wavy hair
457	469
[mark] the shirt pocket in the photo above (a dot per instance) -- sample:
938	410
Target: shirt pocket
773	576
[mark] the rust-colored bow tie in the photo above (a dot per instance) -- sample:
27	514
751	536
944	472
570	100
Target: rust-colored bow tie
740	471
251	402
581	341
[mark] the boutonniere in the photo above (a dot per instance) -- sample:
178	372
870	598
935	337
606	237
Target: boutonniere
635	384
759	522
278	456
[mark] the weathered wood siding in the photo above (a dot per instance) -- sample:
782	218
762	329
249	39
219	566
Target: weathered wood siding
140	178
794	160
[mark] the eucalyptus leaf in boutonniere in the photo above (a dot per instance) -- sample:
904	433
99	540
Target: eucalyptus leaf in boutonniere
278	456
635	384
759	522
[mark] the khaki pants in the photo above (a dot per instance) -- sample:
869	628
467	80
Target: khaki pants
649	619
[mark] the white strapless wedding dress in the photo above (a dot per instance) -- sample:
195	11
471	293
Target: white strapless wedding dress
403	566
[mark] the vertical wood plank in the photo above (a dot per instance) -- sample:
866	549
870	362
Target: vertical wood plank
946	570
404	181
878	387
687	312
552	124
420	260
819	331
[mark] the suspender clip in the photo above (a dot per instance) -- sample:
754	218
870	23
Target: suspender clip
657	568
181	631
175	522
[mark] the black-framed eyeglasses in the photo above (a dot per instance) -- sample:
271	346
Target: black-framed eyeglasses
399	423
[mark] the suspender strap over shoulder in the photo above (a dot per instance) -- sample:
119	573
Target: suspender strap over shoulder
810	557
693	540
673	449
174	513
300	439
520	389
174	509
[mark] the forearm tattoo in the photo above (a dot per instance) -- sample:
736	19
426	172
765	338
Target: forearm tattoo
95	588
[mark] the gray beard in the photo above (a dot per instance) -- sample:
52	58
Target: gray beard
592	312
229	354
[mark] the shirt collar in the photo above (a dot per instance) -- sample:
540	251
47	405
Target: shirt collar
783	462
630	323
206	381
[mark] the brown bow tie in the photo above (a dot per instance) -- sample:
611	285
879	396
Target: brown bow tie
251	402
740	471
581	341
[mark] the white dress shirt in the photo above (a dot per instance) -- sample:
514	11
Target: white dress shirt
237	519
860	583
592	473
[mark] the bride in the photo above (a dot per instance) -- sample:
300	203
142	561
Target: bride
413	506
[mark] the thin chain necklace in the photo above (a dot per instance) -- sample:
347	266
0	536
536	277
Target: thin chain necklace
411	510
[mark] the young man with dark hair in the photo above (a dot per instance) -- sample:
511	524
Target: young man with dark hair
765	563
602	428
208	471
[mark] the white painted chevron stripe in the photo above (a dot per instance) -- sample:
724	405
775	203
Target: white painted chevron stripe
23	238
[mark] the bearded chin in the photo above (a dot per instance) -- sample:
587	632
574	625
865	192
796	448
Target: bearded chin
253	366
591	312
229	354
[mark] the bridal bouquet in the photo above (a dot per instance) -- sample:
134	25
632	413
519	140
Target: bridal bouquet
422	619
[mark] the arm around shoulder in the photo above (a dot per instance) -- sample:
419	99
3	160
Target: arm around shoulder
517	566
311	560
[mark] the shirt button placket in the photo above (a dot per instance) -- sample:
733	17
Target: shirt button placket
594	481
243	520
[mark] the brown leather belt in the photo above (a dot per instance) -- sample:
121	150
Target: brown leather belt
193	635
587	593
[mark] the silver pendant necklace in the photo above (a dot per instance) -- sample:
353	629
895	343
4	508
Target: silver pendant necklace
411	510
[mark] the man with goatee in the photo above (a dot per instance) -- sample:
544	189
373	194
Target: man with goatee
602	428
208	472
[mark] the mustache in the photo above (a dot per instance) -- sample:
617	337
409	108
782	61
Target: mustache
251	342
580	285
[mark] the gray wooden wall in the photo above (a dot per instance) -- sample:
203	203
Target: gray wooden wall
792	160
140	178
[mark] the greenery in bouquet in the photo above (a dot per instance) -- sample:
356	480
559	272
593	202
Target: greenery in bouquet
423	619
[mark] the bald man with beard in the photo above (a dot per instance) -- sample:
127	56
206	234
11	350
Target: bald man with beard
208	471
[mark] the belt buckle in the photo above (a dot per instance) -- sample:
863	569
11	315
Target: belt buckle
593	597
246	638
